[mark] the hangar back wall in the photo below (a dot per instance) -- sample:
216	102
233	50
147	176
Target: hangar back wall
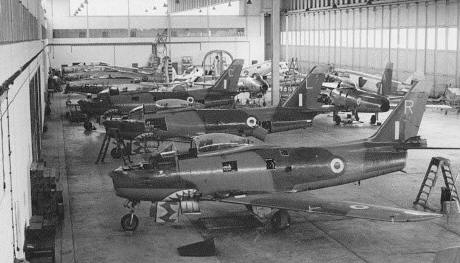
417	36
123	40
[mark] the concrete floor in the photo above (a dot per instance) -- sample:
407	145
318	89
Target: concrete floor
92	232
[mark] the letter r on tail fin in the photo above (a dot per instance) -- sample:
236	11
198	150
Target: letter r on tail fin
404	122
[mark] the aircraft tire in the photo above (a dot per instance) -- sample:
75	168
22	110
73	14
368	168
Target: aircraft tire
373	119
129	222
115	153
88	125
337	120
277	219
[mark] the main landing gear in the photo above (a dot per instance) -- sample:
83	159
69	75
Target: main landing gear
336	118
356	115
274	220
374	119
280	220
130	221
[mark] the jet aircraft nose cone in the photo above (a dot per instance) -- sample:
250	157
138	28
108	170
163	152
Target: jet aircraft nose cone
385	106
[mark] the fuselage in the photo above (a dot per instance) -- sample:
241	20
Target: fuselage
259	169
352	99
191	122
113	99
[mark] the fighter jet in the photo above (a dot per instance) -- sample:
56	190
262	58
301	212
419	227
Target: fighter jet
221	92
297	112
345	95
266	178
264	68
384	84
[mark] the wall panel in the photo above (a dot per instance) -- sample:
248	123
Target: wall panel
415	36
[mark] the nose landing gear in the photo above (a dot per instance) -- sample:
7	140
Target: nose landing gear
130	221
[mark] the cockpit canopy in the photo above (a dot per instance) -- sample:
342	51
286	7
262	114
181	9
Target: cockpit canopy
219	141
165	104
172	104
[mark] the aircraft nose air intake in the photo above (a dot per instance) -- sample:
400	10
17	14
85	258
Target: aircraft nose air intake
116	172
385	106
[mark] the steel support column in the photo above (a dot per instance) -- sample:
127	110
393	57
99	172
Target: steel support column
276	51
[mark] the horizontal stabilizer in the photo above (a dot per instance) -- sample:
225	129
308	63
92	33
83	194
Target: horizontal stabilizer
303	203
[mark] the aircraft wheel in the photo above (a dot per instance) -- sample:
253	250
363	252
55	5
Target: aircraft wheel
115	153
129	222
88	125
280	221
373	119
337	119
356	118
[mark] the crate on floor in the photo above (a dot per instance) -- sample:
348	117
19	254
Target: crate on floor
39	242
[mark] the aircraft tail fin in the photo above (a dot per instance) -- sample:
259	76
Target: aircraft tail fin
228	80
404	122
387	77
306	95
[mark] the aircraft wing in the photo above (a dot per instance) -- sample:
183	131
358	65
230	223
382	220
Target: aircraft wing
330	85
298	202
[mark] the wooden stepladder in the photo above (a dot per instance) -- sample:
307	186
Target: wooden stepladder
436	166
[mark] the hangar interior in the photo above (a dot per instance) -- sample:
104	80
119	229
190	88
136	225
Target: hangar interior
178	109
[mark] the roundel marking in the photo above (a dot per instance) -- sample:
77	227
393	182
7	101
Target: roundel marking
337	165
358	101
251	122
190	99
359	207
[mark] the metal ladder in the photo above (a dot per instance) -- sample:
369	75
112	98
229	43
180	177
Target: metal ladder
437	164
103	150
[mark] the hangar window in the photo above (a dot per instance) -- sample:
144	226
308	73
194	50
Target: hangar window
316	38
270	164
411	38
370	38
230	166
420	38
402	38
363	38
344	38
386	38
430	38
332	39
357	39
321	38
349	38
378	38
441	41
326	38
452	38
